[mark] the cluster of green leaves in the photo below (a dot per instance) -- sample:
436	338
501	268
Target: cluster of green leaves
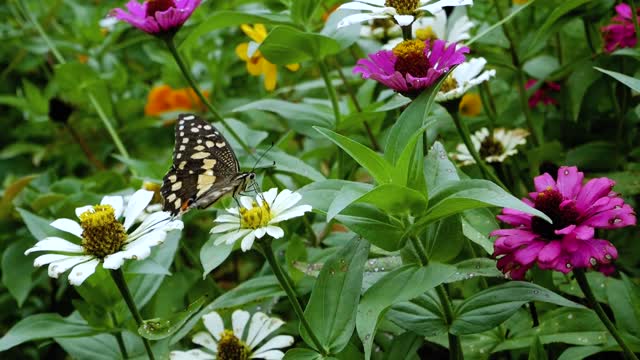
356	261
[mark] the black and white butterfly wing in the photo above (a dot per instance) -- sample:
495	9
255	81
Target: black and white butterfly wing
204	167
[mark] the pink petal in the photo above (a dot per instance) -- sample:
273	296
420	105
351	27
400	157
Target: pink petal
569	181
544	182
592	191
550	252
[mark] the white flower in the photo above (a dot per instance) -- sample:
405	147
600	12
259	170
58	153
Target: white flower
438	26
381	29
104	239
494	148
464	77
108	23
235	344
257	217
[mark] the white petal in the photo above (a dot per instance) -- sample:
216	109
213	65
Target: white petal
81	210
291	213
285	200
268	355
246	202
259	232
261	326
247	242
222	228
275	232
203	338
157	220
233	210
230	238
239	320
116	203
213	322
69	226
194	354
226	218
60	266
136	250
81	272
361	6
49	258
138	201
55	244
278	342
438	5
358	18
270	196
404	20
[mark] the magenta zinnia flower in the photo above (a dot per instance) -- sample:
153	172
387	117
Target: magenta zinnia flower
157	16
542	95
576	210
620	33
412	65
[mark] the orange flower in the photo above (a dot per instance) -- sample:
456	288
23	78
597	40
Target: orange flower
82	58
163	98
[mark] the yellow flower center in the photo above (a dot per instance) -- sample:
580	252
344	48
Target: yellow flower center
470	105
257	216
426	33
411	58
102	233
232	348
403	7
449	84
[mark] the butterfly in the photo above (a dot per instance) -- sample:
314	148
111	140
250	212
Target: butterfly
204	168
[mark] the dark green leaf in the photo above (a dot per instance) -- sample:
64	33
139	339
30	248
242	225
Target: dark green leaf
561	10
211	256
631	82
536	351
286	45
404	347
158	328
374	225
17	269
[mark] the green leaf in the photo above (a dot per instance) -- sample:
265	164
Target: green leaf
44	326
249	291
580	352
506	19
540	67
395	199
39	227
374	225
477	224
438	169
286	45
393	289
378	167
345	36
302	354
302	11
561	10
97	347
595	156
211	256
38	103
17	269
345	197
536	351
491	307
158	328
299	116
470	268
293	165
578	83
444	239
631	82
404	347
624	299
322	194
422	315
408	166
221	19
331	311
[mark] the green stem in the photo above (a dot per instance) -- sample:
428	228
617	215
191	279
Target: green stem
267	251
331	91
455	350
422	254
121	283
595	305
524	103
634	17
119	339
407	32
463	131
192	82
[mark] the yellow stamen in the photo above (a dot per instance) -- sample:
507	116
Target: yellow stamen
257	216
403	7
411	58
449	84
232	348
102	233
426	33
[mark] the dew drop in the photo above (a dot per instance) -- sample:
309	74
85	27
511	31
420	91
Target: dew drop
593	261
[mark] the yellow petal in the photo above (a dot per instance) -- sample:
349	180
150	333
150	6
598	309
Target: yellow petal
270	75
470	105
293	67
257	33
254	65
242	51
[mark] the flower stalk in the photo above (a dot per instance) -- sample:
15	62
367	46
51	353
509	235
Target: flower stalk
168	40
121	283
634	18
331	91
595	305
267	251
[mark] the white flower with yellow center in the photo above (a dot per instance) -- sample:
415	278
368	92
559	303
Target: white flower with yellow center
258	217
403	12
437	26
464	77
495	148
234	344
103	238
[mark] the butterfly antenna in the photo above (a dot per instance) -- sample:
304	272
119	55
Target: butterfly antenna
262	156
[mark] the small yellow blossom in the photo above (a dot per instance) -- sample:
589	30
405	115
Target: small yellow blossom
470	105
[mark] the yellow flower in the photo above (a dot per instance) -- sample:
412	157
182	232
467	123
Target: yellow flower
520	2
256	63
470	105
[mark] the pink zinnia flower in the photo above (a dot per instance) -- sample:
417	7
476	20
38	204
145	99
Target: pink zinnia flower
576	210
542	95
412	65
157	16
620	33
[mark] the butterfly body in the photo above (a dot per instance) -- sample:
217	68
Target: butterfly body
204	168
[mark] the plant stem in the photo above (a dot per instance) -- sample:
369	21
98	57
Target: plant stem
422	254
593	303
267	251
634	18
119	339
331	91
121	283
192	82
463	131
520	77
84	147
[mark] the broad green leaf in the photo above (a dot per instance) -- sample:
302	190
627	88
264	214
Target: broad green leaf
97	347
374	225
17	269
578	83
624	299
540	67
331	310
477	224
580	352
302	11
407	168
506	19
468	269
39	227
44	326
561	10
395	199
596	156
286	45
158	328
345	36
631	82
422	315
292	165
322	194
438	169
221	19
345	197
393	289
444	239
251	138
404	347
378	167
491	307
153	169
302	354
536	351
38	103
211	256
299	116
